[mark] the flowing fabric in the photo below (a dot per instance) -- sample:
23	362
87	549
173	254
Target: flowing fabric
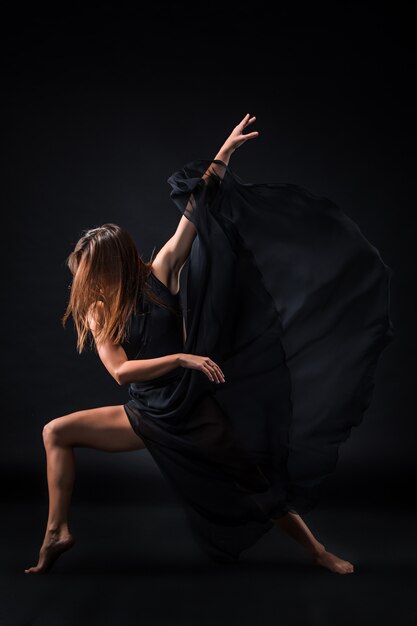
286	294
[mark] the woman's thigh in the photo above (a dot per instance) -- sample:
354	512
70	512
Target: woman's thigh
105	428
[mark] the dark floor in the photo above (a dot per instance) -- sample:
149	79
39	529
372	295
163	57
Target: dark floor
135	562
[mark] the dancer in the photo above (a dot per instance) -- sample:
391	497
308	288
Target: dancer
242	394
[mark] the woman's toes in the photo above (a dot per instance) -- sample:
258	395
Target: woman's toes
334	563
49	552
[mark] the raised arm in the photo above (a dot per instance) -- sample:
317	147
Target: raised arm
171	258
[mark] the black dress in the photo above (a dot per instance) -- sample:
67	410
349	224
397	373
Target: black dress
291	300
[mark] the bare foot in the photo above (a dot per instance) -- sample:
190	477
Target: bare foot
332	562
54	544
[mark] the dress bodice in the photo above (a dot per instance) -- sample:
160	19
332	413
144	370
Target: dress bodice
153	330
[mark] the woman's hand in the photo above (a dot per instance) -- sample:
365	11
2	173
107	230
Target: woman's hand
234	140
204	364
236	137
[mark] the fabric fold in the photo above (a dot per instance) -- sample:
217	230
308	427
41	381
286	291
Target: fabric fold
286	294
313	283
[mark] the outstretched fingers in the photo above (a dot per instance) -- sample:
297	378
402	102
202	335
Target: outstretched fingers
242	125
251	135
247	120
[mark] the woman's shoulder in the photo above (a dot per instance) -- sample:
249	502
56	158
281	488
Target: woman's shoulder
95	314
164	279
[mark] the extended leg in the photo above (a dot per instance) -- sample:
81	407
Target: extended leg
104	428
292	524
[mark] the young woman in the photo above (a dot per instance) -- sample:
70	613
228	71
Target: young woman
243	394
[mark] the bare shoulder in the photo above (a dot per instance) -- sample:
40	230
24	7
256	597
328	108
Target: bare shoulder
165	271
95	315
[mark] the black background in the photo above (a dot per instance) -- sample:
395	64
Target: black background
98	108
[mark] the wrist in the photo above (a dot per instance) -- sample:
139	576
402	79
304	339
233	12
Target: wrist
224	153
179	359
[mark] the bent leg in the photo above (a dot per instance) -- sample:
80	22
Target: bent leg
104	428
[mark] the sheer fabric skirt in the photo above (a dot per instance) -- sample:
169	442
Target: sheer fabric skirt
292	301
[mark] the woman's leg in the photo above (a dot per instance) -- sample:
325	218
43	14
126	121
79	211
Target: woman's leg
104	428
292	524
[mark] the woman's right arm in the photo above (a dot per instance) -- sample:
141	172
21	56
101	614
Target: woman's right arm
114	359
146	369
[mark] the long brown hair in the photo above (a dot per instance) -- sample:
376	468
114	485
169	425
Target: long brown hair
107	268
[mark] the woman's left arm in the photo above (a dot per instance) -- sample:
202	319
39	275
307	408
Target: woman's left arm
172	256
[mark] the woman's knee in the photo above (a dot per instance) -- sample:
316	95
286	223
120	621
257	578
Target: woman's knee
104	428
51	433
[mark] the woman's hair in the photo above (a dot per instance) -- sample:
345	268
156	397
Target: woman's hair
106	268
